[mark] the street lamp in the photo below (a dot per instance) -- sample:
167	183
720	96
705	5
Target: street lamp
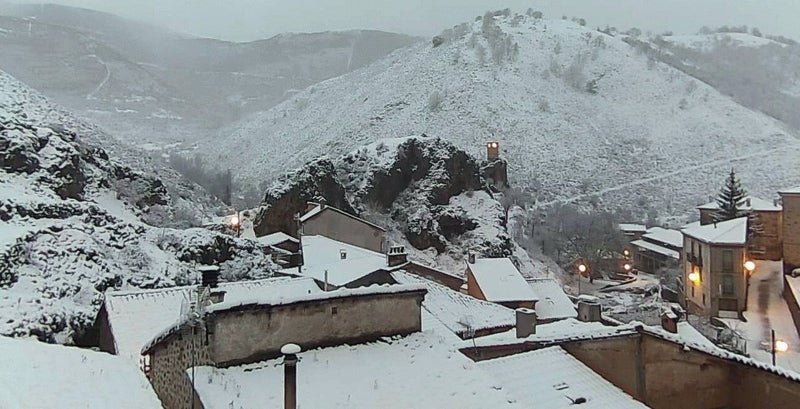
627	267
235	222
582	269
750	266
777	345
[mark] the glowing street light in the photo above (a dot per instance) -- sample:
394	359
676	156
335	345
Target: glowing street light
694	277
626	253
582	269
627	267
235	222
777	345
750	266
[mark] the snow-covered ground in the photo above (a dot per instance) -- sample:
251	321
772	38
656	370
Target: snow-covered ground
767	310
35	375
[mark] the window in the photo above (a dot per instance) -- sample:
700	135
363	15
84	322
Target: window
727	261
334	310
727	284
704	299
692	291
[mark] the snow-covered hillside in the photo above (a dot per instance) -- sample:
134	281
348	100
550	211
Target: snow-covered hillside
578	114
73	221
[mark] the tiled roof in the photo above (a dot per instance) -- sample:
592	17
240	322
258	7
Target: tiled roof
460	313
733	232
136	317
553	301
550	378
500	281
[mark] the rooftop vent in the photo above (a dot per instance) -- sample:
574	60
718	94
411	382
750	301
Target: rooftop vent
343	254
210	276
396	256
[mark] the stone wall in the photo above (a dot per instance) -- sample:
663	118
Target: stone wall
169	362
768	245
791	286
252	334
335	225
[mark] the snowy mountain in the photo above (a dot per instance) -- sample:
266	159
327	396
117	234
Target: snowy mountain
580	116
80	213
148	84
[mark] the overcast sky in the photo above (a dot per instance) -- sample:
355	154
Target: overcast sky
243	20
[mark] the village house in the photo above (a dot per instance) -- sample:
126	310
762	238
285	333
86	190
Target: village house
321	219
657	248
632	231
715	282
498	280
241	331
790	198
766	219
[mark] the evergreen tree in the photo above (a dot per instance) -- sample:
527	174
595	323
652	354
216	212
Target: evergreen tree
730	197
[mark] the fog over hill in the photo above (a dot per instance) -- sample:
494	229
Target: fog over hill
581	116
148	84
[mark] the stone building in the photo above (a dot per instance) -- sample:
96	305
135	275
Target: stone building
241	331
791	229
321	219
766	241
714	279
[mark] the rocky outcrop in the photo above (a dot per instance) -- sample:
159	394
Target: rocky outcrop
288	197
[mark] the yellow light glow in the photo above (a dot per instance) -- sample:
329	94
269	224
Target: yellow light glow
781	346
694	277
749	265
626	252
494	144
627	267
234	220
582	268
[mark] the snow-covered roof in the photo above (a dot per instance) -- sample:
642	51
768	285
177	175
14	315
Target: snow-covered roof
275	238
500	281
553	301
417	371
747	204
274	298
669	237
136	317
322	254
790	191
733	232
689	333
558	331
458	312
656	249
319	209
546	377
631	227
39	375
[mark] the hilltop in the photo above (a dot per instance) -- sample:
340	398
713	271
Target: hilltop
581	116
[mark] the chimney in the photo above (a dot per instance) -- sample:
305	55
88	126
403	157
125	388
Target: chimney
589	309
669	321
747	202
526	322
210	276
471	257
492	151
343	254
290	352
396	256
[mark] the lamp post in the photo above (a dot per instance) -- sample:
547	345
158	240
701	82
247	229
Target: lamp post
777	345
582	268
236	222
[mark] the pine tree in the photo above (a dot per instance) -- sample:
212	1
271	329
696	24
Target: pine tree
730	197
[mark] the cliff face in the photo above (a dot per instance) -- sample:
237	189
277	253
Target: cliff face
419	183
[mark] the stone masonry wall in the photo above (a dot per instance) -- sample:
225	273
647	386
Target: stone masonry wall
168	365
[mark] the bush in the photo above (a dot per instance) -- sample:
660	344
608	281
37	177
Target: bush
434	101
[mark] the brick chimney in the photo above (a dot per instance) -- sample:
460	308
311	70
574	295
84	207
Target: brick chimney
396	256
669	321
526	322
